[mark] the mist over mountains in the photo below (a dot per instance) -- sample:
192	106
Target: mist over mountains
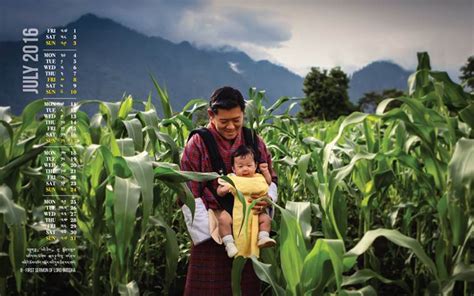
114	60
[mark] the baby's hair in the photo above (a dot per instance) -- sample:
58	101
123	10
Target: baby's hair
242	150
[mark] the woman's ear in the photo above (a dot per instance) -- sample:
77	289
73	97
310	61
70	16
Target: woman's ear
210	113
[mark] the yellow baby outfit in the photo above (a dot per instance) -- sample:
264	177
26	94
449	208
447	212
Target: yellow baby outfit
246	242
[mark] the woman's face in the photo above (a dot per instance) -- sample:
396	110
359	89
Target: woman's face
228	123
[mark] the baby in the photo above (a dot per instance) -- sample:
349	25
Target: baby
249	182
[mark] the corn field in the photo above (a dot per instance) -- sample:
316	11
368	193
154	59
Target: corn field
368	204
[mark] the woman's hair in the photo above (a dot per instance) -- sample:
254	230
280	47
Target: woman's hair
242	150
226	98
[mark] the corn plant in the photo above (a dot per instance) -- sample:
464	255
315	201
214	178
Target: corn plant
399	162
367	203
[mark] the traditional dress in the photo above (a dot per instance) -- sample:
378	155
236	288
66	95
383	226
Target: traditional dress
209	269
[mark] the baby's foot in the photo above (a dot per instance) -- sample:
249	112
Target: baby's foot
266	242
231	250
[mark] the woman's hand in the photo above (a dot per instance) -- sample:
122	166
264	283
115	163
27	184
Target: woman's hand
260	206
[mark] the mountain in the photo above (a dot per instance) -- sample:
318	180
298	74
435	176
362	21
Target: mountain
377	76
114	60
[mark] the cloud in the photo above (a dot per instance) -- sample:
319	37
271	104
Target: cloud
16	15
297	34
355	33
198	21
152	17
257	27
221	25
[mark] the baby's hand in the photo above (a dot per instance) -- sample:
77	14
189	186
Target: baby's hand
263	167
223	187
265	172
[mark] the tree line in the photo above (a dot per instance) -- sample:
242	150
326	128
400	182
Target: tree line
327	96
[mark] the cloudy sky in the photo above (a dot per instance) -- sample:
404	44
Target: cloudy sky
297	34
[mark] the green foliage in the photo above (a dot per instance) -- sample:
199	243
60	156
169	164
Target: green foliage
326	94
467	77
368	203
389	173
125	157
370	100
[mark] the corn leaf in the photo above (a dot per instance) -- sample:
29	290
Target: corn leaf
134	131
397	238
236	274
167	173
264	273
125	108
461	184
363	275
365	291
15	218
142	170
126	199
292	249
316	274
165	103
126	146
302	212
171	249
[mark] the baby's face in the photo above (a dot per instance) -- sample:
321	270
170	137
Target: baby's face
244	166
